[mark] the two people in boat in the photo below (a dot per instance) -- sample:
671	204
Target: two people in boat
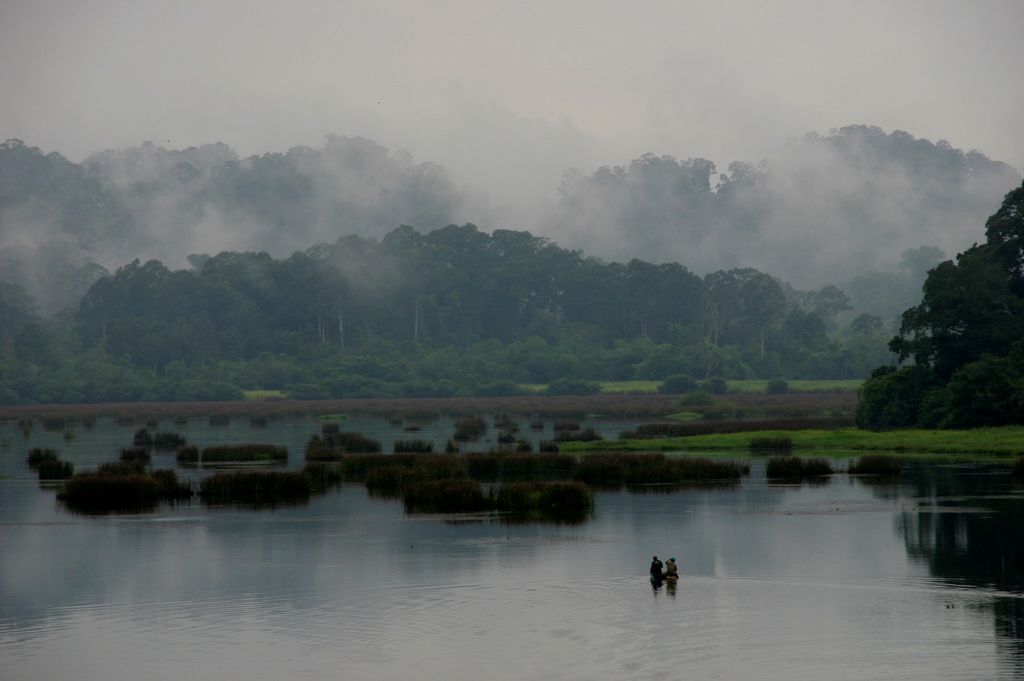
670	570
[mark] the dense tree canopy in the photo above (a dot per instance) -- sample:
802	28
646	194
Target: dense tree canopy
966	338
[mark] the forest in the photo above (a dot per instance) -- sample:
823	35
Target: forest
195	274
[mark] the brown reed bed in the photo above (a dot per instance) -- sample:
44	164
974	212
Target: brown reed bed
109	490
618	469
797	468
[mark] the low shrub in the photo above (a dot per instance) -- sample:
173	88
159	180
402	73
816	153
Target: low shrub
547	447
776	387
677	385
796	468
876	464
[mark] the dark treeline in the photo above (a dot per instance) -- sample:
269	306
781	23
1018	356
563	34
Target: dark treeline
454	311
966	339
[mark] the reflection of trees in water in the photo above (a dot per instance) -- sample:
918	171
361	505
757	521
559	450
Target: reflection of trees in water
981	546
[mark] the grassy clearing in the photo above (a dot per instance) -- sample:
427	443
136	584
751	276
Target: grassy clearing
1003	441
260	395
850	385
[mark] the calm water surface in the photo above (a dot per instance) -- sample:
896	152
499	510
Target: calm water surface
849	580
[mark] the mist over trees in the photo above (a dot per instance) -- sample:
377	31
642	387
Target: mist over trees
827	209
838	209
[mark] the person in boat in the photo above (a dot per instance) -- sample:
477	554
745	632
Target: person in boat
671	569
656	568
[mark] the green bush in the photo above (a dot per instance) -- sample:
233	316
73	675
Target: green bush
677	384
777	387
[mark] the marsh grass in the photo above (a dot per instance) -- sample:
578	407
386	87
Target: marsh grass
142	438
770	445
566	426
414	446
616	470
547	447
166	441
587	435
323	476
135	454
469	428
444	496
797	468
256	487
518	466
1018	468
253	452
876	464
558	501
112	489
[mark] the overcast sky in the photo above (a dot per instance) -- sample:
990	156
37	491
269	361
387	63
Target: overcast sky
507	95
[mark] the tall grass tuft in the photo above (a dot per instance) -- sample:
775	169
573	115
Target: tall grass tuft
796	468
55	469
566	501
168	441
37	455
110	489
513	466
414	446
588	435
876	464
323	476
142	438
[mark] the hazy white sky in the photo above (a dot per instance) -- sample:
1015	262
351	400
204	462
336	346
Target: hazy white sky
508	94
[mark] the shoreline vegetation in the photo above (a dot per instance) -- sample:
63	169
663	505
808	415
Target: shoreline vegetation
1001	441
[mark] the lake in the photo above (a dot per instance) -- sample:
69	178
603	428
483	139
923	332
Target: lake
853	579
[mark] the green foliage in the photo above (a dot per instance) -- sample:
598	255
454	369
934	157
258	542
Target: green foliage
777	387
678	384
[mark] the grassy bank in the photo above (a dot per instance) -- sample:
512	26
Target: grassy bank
1003	441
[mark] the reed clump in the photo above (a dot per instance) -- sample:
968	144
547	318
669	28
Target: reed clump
252	452
546	500
414	446
876	464
469	428
566	426
547	447
760	445
142	438
55	469
110	489
444	496
37	455
796	468
256	487
332	446
1018	468
322	476
615	470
